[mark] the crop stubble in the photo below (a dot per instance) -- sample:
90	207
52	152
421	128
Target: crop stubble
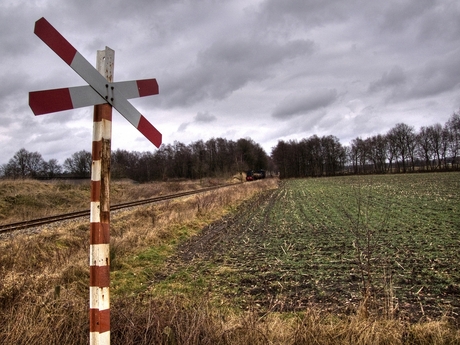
330	242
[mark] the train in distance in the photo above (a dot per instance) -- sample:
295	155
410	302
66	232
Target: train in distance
252	175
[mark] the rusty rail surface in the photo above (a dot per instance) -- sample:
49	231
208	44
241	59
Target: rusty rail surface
57	218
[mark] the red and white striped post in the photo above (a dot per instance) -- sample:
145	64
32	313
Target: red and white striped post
99	252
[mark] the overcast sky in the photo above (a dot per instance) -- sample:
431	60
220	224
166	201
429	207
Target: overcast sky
269	70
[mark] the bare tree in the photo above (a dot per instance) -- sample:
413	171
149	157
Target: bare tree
79	165
453	128
24	164
280	157
424	148
358	155
445	144
314	156
435	136
52	168
332	153
402	138
377	149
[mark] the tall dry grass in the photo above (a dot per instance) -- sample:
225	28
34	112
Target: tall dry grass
28	199
44	289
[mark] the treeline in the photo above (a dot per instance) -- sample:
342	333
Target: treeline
25	164
312	157
215	157
402	149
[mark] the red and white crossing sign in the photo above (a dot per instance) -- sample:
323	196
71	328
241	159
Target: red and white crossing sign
103	94
99	91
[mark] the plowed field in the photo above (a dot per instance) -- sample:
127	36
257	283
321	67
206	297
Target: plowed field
392	240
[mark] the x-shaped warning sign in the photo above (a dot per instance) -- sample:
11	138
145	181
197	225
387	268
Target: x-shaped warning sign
98	91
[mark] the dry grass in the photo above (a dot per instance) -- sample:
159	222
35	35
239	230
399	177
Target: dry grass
44	279
28	199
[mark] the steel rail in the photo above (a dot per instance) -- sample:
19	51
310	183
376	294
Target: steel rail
85	213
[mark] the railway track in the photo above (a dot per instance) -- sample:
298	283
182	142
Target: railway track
48	220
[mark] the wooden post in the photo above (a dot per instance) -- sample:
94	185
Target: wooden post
99	297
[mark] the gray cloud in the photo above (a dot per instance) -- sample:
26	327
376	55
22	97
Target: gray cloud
204	117
227	66
430	79
183	126
304	103
305	13
199	118
393	78
437	76
401	15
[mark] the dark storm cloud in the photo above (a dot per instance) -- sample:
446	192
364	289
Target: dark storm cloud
304	103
